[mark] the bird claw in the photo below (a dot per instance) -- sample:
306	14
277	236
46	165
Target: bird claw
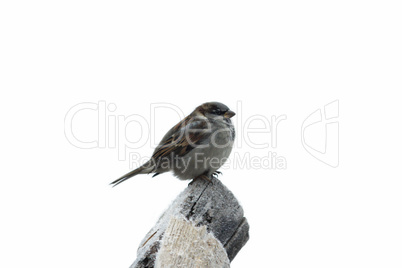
216	174
204	177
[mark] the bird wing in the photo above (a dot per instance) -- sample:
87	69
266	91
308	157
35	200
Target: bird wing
183	137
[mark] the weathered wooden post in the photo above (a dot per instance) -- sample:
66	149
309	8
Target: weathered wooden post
203	227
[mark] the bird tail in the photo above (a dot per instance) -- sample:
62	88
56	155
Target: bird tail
144	169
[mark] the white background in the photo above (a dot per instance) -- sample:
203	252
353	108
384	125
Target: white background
284	57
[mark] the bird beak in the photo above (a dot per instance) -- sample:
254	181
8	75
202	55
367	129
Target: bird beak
229	114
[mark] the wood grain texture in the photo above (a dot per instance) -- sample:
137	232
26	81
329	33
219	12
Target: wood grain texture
185	245
209	206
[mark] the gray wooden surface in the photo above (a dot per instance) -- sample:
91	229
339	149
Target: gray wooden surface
206	209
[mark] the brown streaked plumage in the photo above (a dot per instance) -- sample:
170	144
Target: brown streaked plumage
190	137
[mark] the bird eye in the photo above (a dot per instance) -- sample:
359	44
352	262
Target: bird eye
218	112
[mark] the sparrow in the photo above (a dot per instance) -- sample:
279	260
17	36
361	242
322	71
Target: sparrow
196	147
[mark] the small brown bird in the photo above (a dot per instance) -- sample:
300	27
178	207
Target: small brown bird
195	147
